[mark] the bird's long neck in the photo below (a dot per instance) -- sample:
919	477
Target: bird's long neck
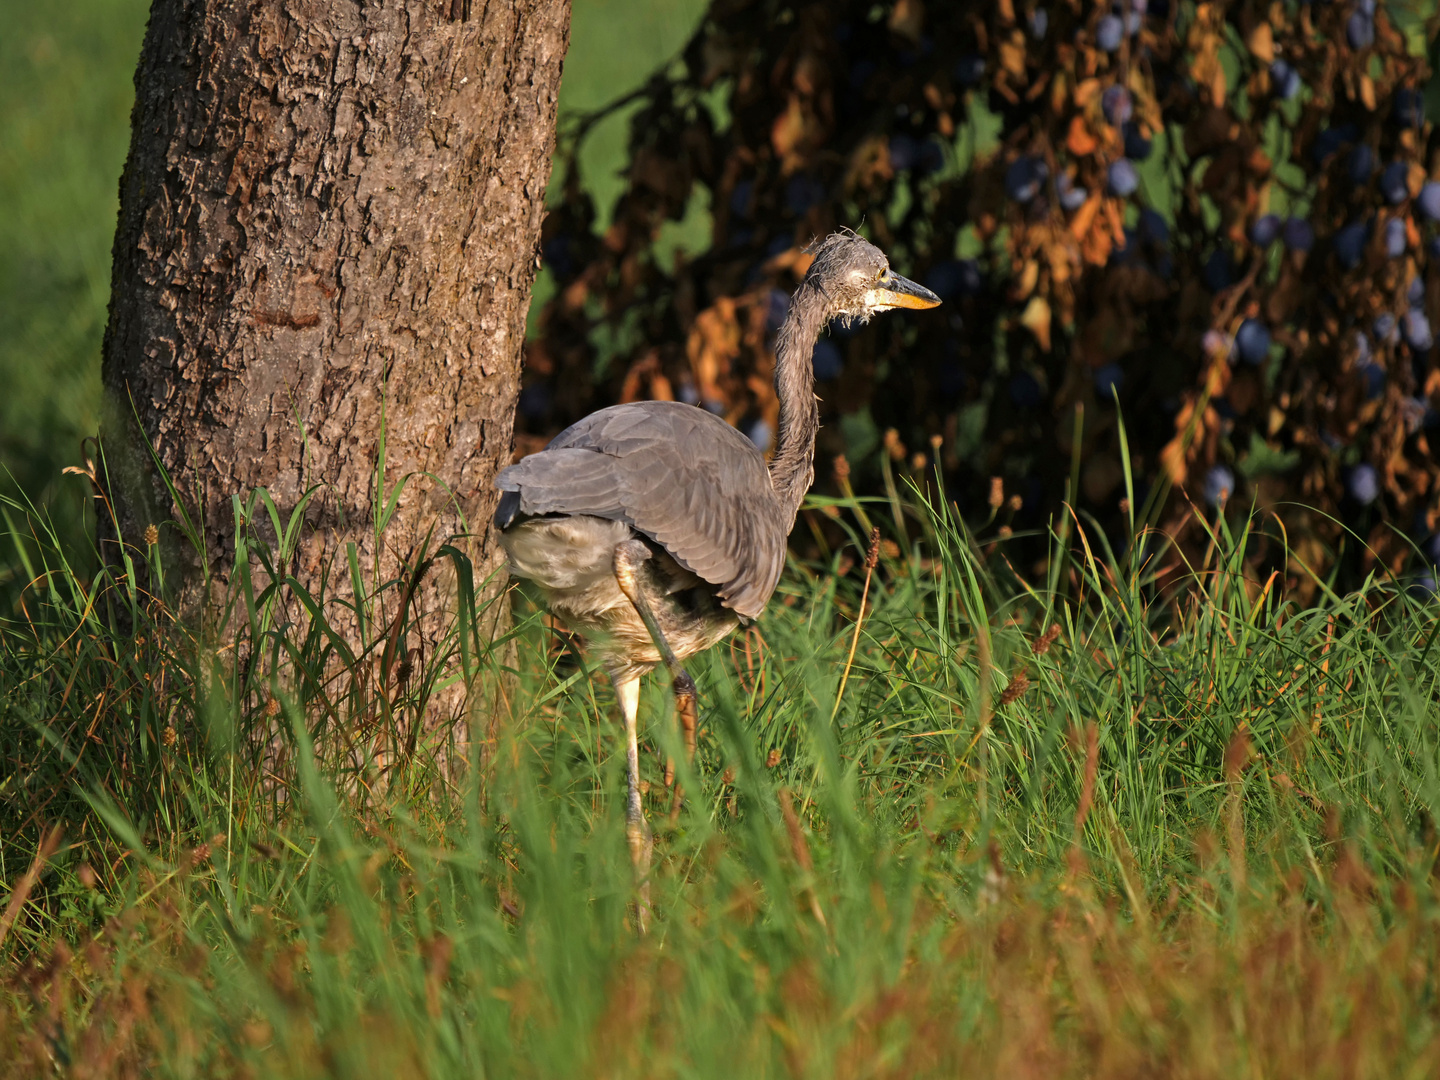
792	469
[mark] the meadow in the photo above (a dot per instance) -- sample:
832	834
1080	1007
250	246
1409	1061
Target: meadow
1121	815
942	820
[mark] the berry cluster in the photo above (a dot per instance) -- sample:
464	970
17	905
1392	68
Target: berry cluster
1224	218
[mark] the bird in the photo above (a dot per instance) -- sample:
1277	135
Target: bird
655	528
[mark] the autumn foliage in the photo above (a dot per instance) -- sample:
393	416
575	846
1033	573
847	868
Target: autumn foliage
1223	214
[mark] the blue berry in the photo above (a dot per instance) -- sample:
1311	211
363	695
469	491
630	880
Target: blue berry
1360	30
1350	244
1117	105
1071	197
1395	242
1219	272
1360	164
1363	484
1331	140
1385	329
1431	548
1430	200
1373	376
1137	146
1109	33
1124	254
1252	341
1265	230
1418	414
1285	79
1122	178
1219	485
1154	229
904	152
1393	183
1415	328
932	157
1024	178
1410	108
1415	291
1299	234
740	199
969	70
1214	343
1039	23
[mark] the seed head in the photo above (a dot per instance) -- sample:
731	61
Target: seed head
1019	683
872	557
997	492
1047	639
152	535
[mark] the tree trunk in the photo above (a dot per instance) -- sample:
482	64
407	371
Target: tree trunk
328	225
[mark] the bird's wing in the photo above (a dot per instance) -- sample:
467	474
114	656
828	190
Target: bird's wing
678	474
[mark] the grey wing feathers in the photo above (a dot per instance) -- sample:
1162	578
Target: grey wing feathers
676	473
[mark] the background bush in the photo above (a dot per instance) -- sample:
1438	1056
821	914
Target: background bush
1225	214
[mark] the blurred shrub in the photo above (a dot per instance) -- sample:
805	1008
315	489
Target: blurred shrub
1225	215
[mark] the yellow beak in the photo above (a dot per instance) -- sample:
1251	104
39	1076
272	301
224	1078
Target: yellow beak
900	292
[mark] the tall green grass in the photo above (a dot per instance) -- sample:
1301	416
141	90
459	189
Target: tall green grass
1123	821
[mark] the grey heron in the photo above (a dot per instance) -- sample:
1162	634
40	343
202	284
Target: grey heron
656	528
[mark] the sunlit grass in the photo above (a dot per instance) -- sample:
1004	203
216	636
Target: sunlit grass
1180	830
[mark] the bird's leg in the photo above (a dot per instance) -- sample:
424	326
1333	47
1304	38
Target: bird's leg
628	558
686	709
637	832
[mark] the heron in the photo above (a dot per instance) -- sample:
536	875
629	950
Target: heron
656	528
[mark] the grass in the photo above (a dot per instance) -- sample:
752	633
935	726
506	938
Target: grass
1117	821
1133	822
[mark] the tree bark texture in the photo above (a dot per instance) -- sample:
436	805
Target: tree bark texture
331	209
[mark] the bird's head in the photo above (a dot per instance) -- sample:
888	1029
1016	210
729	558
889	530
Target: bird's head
854	280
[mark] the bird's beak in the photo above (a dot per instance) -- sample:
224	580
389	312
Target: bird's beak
900	292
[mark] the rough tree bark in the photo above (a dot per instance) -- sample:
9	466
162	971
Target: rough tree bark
330	208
